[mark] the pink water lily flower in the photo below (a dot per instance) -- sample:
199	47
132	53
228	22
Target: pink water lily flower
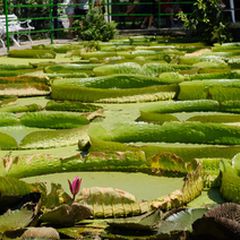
75	186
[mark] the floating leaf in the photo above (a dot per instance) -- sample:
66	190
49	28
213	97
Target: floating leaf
66	215
112	202
56	197
146	222
13	220
14	193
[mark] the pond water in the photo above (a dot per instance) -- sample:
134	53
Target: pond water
143	186
18	132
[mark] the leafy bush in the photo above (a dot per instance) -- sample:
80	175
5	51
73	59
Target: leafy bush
207	21
94	27
40	15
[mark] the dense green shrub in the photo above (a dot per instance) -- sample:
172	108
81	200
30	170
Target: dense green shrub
39	12
207	21
95	27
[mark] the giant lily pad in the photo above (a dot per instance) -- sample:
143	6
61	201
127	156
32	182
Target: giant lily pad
66	215
13	220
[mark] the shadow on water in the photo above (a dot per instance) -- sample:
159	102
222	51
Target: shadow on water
214	194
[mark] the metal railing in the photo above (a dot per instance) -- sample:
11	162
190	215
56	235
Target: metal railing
50	20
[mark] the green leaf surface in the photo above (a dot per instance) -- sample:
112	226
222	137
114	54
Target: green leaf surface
54	120
53	138
13	220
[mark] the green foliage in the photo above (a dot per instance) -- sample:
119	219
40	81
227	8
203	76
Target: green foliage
94	27
34	12
207	21
53	120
